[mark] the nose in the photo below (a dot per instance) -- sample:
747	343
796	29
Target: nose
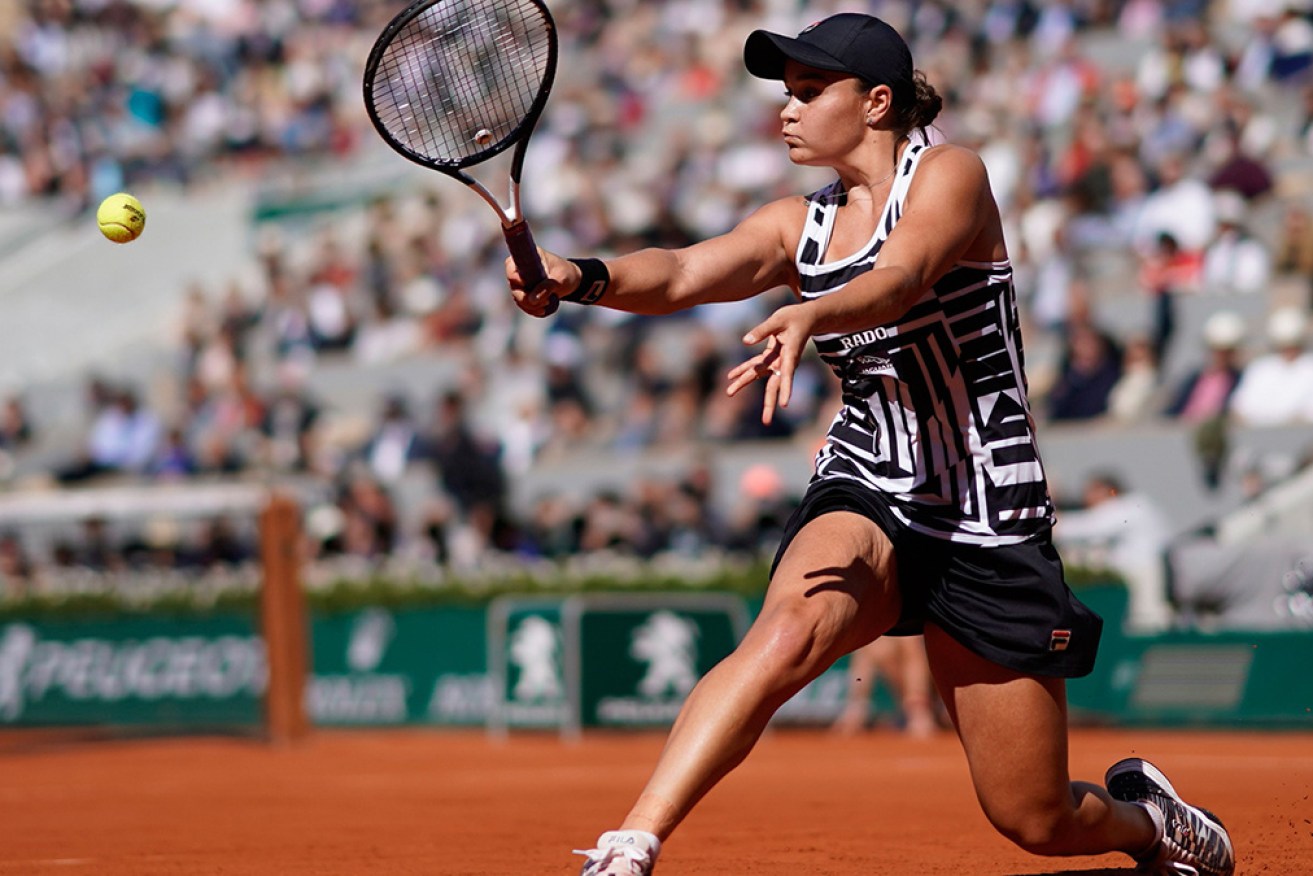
789	112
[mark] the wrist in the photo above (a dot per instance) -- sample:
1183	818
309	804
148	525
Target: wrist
594	280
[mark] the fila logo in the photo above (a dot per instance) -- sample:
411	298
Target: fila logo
1059	640
594	292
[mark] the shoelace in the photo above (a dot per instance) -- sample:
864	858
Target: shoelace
607	855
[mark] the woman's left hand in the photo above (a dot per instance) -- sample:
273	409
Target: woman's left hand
786	332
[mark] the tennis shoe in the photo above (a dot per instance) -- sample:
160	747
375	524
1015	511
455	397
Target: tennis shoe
621	853
1191	841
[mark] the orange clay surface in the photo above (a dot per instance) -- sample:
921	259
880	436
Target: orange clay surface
424	801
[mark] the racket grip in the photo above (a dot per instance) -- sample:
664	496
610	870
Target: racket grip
524	252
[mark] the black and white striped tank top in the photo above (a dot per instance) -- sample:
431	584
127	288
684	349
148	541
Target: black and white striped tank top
935	412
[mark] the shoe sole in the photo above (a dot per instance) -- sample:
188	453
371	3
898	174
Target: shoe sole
1135	765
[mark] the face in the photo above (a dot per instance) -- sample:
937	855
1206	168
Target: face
825	116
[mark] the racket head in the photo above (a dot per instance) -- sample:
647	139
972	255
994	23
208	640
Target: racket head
451	83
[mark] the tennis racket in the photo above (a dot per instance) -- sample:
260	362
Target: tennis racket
451	83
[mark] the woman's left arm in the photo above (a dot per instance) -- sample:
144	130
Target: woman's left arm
950	215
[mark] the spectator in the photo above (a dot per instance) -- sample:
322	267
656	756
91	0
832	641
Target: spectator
468	464
1132	396
1292	46
98	551
901	661
220	544
1205	392
760	510
1241	172
1235	261
1127	533
15	426
1294	245
1091	368
288	423
1277	387
15	566
395	442
186	92
124	437
1181	206
1165	274
174	460
370	526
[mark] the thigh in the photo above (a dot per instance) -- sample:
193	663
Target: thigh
838	573
1013	728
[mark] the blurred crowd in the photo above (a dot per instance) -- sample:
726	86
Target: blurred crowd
1148	153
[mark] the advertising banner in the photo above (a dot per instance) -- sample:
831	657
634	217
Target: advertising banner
382	667
134	671
525	664
631	660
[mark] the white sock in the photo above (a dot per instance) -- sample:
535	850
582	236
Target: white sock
639	838
1156	816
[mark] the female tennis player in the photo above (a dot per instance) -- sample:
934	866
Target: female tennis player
928	509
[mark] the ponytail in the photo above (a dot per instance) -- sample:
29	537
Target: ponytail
925	106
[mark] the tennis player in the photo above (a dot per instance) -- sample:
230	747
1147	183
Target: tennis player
928	509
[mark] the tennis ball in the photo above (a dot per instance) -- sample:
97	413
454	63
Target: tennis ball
121	218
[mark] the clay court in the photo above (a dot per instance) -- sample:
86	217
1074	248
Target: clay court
451	802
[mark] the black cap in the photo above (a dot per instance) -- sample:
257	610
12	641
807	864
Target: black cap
849	42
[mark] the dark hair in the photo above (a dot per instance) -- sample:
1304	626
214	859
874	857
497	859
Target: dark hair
921	111
925	106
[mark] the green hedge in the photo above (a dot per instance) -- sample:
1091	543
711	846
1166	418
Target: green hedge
332	592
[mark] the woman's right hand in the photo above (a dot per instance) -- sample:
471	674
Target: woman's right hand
562	278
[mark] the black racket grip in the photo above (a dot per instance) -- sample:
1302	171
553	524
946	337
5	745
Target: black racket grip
524	252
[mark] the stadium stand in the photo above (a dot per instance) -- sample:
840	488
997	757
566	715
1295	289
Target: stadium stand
294	274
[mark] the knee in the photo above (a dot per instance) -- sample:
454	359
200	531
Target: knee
1038	831
789	642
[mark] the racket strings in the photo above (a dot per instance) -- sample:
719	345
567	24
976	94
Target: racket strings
460	77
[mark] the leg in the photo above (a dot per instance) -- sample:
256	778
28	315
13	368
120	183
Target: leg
901	662
834	590
915	686
864	665
1013	729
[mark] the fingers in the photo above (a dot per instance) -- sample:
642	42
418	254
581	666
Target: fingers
785	333
779	385
776	365
540	301
761	365
770	398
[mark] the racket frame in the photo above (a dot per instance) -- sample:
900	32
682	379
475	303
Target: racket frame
519	239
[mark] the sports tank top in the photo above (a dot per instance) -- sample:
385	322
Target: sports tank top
935	412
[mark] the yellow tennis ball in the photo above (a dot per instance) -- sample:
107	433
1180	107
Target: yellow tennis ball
121	218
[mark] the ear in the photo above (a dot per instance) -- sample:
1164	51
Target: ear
879	103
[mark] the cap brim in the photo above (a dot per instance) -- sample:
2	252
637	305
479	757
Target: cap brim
764	55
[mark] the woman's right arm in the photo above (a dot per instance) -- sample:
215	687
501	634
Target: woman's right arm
753	257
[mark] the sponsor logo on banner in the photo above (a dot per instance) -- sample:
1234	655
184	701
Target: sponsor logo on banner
533	652
362	695
461	699
668	645
98	670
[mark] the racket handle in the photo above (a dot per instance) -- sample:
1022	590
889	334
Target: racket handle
524	252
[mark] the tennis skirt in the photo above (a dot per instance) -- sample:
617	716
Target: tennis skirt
1009	604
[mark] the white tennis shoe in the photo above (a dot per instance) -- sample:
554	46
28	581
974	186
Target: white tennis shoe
621	853
1191	840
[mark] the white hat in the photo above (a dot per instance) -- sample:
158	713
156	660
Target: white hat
1287	326
1224	330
